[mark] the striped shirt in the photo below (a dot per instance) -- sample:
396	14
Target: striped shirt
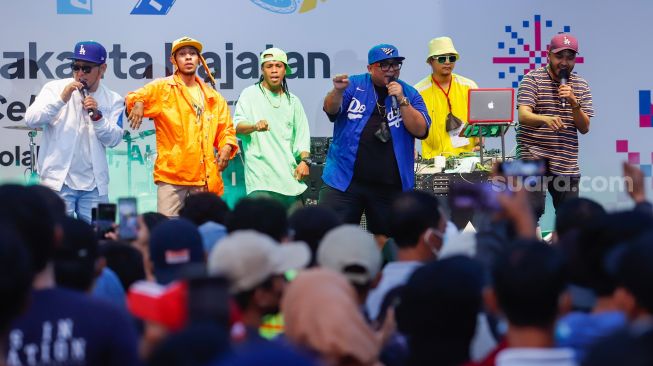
539	91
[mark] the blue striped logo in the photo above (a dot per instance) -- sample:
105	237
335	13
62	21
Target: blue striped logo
152	7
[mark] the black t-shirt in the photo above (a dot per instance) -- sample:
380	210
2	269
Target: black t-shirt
375	161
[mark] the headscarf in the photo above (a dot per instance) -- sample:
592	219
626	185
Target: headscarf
321	314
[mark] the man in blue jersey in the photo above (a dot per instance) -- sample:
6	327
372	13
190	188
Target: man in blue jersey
376	120
552	110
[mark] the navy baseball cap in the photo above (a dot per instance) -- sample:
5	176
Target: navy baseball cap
383	52
90	51
175	247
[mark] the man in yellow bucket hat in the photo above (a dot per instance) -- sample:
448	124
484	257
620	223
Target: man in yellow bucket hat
273	127
445	95
192	121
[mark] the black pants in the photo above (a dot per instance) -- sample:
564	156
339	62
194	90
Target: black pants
561	189
374	200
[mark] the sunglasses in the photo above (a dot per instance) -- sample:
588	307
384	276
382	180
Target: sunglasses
386	66
443	59
85	69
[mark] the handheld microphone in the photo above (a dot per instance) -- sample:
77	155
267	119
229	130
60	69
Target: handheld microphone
395	104
91	112
564	77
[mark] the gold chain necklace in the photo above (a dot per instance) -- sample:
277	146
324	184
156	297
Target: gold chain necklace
198	102
265	93
378	108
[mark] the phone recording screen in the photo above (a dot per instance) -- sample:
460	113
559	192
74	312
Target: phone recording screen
106	212
523	168
105	217
128	218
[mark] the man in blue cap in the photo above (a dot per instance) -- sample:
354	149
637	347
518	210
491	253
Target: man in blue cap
371	159
80	118
176	250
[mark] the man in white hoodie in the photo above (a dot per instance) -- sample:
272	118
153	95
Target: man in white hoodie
80	118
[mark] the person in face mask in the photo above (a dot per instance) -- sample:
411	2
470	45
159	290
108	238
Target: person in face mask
417	226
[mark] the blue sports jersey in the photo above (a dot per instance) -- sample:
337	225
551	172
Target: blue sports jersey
358	103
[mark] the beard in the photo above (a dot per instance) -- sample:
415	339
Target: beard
183	71
555	70
188	73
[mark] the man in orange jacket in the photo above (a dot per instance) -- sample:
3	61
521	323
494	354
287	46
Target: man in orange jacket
191	120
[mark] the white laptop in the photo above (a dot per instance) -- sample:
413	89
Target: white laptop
488	106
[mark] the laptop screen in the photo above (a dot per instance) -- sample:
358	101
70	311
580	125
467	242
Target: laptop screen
491	105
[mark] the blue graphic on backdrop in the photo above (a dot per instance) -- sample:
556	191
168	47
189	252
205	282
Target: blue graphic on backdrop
277	6
74	6
152	7
287	6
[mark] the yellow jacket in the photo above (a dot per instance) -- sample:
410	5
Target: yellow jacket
185	143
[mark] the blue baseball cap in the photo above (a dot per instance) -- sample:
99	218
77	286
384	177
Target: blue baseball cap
90	51
383	52
175	248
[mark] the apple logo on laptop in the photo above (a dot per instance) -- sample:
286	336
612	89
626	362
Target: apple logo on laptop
490	105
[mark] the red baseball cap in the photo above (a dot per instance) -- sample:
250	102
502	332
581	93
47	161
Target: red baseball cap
168	305
563	41
165	305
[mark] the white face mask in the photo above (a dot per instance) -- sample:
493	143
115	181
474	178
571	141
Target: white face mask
437	233
445	237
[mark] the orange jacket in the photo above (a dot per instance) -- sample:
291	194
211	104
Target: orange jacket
185	145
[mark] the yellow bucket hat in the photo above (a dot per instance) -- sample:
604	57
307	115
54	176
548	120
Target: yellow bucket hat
441	46
275	54
187	41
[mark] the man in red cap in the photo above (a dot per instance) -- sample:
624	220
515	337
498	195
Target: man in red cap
191	121
554	105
